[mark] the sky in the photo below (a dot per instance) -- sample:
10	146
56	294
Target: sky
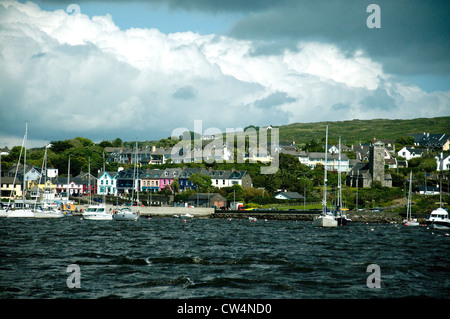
144	69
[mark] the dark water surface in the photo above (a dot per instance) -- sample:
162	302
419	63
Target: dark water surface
218	258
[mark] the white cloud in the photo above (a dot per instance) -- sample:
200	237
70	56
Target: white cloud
75	75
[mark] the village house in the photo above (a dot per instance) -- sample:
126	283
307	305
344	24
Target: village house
128	180
289	196
442	162
8	189
151	180
410	152
332	163
107	183
312	159
434	142
226	178
155	180
78	185
207	200
428	190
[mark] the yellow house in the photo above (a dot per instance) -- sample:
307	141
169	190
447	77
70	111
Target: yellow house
8	189
46	188
446	146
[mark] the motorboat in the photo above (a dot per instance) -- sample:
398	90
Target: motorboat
438	219
125	214
97	212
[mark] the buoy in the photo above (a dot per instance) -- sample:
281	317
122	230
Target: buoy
372	229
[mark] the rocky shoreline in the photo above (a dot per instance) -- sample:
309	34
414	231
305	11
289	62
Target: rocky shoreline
380	217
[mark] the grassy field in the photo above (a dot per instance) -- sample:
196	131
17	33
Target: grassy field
356	131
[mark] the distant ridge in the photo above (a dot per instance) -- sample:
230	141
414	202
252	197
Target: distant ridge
356	131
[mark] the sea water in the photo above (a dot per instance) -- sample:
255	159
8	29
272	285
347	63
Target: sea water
173	258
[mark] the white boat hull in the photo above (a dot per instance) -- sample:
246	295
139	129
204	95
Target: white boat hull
50	214
325	221
440	226
21	213
97	212
104	216
411	222
126	216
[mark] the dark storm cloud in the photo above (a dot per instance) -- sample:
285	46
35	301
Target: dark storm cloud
413	37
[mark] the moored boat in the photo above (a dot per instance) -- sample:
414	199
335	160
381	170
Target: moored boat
97	212
325	220
125	214
438	219
47	213
24	212
409	220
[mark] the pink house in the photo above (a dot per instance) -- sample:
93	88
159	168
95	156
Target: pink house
168	176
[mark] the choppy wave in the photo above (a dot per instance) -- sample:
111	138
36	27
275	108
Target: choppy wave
209	258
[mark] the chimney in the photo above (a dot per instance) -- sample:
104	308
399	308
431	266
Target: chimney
153	148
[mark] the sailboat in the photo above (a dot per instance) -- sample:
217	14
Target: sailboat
49	210
23	211
126	214
95	212
409	221
326	219
341	218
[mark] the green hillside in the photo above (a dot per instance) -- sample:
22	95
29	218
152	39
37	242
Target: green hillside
356	131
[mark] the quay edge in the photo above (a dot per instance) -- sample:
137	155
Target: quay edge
384	217
200	212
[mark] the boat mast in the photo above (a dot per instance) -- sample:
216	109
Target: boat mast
408	208
134	174
104	171
325	174
68	180
89	178
25	163
339	200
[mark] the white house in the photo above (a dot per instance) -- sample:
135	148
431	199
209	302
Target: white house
289	196
442	162
107	183
410	152
332	164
